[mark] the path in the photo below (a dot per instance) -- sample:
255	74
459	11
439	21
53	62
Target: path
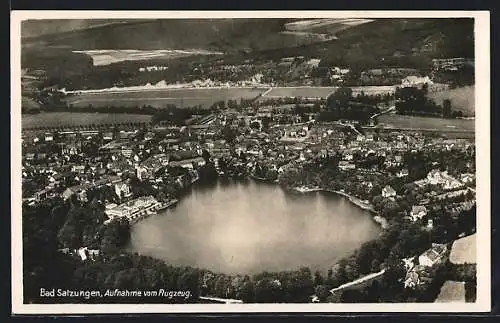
393	108
222	300
358	281
267	91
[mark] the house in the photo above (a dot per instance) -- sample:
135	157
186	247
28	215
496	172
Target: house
418	212
348	156
123	190
388	192
86	253
417	276
345	165
82	252
79	190
435	177
188	163
78	169
409	263
451	183
433	255
30	156
467	178
108	136
415	81
402	173
127	152
142	173
412	279
49	137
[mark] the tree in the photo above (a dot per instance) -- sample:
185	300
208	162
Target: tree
318	279
446	108
255	125
322	292
206	155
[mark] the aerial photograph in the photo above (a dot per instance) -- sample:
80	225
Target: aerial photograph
248	160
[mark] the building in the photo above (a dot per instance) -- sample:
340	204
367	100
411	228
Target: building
78	169
450	64
417	276
188	163
415	81
79	190
402	173
409	263
418	212
433	255
345	165
123	190
127	152
133	209
467	178
388	192
412	280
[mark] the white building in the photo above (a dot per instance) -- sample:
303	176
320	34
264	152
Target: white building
432	256
418	212
388	192
123	190
415	81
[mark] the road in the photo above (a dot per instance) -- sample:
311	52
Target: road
393	108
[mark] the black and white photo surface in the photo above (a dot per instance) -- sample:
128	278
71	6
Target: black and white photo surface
198	162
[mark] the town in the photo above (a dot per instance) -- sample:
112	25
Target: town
420	181
390	140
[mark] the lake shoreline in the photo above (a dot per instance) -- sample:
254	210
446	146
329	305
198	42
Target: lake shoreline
351	198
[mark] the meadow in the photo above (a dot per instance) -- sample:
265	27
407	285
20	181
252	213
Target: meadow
185	97
462	99
324	92
425	123
75	119
304	92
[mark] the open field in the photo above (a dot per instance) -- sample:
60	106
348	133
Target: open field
464	250
425	123
110	56
160	98
300	91
331	25
452	292
70	119
323	92
462	99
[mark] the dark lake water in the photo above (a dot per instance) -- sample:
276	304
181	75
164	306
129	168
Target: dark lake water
249	227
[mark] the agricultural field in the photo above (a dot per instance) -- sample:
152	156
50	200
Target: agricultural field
374	90
304	92
464	250
452	292
110	56
160	98
462	99
332	25
425	123
70	119
323	92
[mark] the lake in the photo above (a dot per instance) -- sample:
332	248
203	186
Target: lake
249	227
